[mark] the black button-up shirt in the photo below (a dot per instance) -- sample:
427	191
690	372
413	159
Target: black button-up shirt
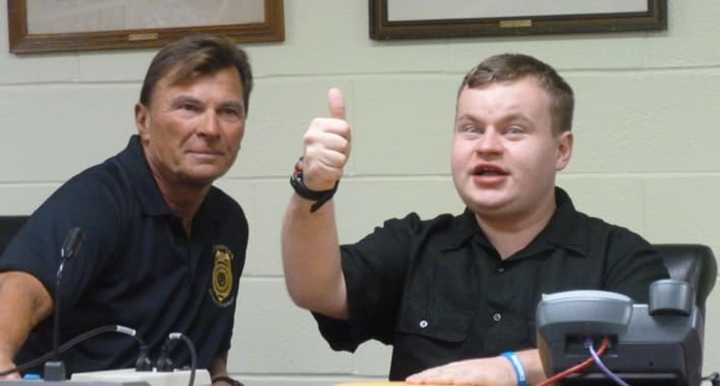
439	292
136	266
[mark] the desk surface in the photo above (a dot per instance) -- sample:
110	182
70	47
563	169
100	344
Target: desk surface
379	383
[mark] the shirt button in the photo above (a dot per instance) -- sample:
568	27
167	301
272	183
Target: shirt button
501	269
497	317
423	323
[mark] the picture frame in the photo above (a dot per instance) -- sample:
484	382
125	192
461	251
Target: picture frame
426	19
83	25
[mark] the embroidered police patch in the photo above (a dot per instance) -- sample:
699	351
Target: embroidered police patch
222	276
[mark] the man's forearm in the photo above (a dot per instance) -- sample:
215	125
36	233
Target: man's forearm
311	258
218	366
533	366
495	371
24	302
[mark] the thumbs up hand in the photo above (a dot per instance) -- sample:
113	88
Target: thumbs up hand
327	146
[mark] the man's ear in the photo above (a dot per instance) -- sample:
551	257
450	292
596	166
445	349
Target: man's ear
142	121
564	150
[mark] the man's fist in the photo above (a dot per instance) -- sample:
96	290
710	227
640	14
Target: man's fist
327	146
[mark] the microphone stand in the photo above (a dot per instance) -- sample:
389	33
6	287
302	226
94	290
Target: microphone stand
54	370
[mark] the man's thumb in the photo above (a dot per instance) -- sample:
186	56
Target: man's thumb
336	103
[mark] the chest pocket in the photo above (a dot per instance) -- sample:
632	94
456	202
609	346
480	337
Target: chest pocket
440	299
445	327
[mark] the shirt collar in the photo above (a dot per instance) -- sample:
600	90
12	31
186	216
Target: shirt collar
564	230
152	201
464	227
138	173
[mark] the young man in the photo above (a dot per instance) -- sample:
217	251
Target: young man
452	294
163	249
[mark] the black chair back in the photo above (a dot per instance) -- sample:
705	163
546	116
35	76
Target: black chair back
9	226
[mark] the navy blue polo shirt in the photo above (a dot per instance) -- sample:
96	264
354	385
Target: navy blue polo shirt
438	291
136	267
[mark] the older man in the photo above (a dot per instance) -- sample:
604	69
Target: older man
163	249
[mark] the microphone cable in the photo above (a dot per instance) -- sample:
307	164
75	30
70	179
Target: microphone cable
191	347
713	378
74	341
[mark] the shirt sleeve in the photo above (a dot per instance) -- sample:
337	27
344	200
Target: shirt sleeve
238	227
82	202
633	265
374	270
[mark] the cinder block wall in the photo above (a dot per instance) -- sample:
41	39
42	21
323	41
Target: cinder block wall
646	145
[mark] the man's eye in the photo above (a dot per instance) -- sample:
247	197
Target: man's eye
515	130
188	106
231	112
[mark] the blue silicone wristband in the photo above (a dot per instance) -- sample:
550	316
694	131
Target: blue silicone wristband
517	366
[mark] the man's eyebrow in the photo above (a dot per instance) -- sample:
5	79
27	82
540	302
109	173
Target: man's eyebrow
517	117
468	118
185	99
234	105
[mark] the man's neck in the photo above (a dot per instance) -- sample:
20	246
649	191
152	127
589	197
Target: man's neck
184	199
511	234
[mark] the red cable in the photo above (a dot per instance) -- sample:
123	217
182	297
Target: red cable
577	368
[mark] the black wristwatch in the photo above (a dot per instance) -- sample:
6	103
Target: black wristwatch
319	196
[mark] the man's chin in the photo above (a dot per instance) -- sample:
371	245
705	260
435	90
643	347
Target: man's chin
490	209
486	210
486	203
200	179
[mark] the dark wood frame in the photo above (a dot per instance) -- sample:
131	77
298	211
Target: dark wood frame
383	29
21	42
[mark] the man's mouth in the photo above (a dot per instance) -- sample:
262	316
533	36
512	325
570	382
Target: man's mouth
488	170
212	153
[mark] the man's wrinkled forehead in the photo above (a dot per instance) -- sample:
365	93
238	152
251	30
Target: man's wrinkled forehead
180	75
495	82
522	99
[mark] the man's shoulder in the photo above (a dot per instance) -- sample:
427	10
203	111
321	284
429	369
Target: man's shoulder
415	223
107	179
600	237
443	229
584	226
227	210
223	202
125	176
600	226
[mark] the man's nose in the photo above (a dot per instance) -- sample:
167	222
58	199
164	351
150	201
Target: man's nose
489	142
210	125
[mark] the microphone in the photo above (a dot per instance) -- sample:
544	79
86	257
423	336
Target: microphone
55	370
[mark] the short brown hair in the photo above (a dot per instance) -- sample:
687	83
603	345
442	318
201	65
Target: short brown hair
512	67
194	56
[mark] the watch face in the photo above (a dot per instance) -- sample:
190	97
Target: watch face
297	183
319	197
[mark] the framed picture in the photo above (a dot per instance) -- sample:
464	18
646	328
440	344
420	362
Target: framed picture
76	25
420	19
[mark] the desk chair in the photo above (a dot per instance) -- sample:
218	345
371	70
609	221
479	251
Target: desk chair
9	226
